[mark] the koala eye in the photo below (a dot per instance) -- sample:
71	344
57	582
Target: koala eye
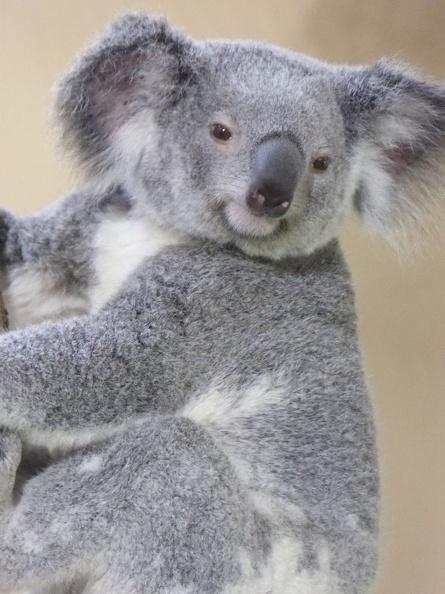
320	163
220	132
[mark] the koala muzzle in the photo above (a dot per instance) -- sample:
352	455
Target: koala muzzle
277	163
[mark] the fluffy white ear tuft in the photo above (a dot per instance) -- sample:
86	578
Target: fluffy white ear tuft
396	123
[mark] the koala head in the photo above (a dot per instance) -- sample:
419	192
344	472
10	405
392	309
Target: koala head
246	143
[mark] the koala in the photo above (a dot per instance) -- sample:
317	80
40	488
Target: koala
201	395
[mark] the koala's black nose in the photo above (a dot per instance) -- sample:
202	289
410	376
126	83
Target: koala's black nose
277	163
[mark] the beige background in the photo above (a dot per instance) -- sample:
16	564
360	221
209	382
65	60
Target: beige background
401	303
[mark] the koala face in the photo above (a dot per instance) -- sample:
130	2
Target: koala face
264	168
245	143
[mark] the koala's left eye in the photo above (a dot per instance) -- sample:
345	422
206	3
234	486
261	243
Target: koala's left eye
220	132
320	163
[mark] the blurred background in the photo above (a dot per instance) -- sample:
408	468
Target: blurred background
401	300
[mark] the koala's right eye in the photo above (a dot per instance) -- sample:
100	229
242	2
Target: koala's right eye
220	132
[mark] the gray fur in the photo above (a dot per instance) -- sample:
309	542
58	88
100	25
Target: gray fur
212	416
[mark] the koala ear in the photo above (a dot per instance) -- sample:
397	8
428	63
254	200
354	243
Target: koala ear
396	122
139	64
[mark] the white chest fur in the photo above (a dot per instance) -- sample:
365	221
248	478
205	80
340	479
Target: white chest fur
121	245
32	297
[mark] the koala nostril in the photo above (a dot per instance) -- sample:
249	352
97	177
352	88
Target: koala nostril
278	210
255	201
261	204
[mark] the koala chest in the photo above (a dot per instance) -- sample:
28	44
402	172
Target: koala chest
120	247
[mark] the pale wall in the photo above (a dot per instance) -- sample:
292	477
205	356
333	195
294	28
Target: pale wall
401	305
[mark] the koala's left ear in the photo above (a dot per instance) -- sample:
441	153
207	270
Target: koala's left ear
139	64
396	123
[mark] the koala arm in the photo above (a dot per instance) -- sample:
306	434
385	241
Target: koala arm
51	239
72	376
46	268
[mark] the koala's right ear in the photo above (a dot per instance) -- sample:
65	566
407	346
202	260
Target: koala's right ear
138	64
396	121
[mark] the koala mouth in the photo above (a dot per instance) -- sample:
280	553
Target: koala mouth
243	221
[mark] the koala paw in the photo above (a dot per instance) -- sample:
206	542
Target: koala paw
7	225
10	456
3	315
4	226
